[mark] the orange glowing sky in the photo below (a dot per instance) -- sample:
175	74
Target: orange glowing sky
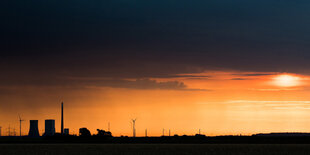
217	102
225	67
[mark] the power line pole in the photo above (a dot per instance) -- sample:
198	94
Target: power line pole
169	132
163	131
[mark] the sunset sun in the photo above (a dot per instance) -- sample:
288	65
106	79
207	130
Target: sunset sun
286	80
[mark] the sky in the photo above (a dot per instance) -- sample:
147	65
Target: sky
225	67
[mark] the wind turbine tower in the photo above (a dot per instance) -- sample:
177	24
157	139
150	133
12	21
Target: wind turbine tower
20	125
134	127
0	131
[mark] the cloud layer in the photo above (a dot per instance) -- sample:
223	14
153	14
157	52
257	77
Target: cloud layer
42	41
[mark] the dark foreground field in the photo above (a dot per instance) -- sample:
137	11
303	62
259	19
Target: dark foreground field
154	149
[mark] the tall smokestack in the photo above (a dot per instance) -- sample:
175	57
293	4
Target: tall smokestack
62	118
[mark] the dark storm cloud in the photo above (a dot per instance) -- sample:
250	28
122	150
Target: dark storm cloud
145	84
44	40
88	82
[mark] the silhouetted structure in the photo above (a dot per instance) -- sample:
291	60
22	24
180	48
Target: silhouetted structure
283	134
49	127
134	127
84	132
20	125
14	132
104	133
9	130
0	131
66	131
62	118
33	130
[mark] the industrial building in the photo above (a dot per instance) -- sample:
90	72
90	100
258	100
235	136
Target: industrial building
66	131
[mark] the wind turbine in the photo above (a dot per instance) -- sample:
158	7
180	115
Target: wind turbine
134	127
20	125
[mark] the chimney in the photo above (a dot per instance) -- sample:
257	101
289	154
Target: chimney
62	118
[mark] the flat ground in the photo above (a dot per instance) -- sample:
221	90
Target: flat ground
154	149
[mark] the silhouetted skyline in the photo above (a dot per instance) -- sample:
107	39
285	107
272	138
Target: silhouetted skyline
224	67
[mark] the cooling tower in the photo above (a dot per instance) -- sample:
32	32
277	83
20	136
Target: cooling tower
33	130
49	127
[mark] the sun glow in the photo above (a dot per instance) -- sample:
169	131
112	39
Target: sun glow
286	80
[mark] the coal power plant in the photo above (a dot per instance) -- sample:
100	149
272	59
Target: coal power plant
50	130
49	127
33	130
